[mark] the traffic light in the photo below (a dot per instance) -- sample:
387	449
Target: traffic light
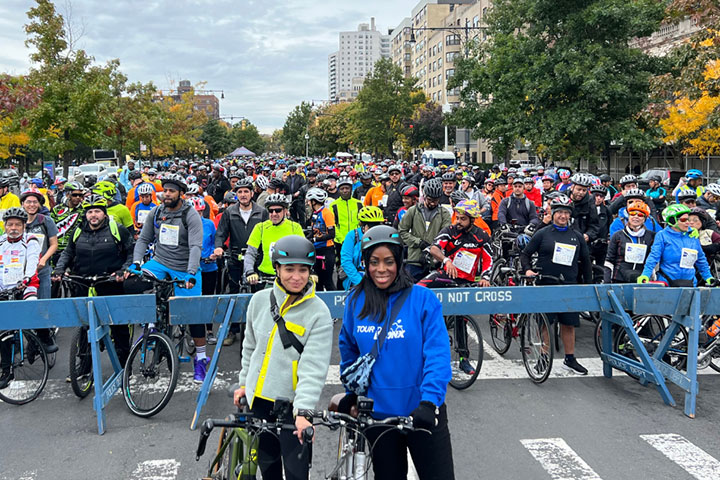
243	124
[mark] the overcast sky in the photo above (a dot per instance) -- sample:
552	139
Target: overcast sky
267	56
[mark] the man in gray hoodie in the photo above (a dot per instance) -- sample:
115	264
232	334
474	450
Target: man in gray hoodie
176	229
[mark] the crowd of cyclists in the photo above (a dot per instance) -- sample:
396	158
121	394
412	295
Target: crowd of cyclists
375	227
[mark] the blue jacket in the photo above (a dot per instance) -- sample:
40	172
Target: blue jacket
651	225
208	245
414	362
667	250
351	258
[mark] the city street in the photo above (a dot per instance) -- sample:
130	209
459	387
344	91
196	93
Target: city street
503	427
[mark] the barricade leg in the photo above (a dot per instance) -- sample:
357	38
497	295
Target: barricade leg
646	368
104	391
212	368
691	320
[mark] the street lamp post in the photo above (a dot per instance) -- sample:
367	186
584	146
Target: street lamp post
307	144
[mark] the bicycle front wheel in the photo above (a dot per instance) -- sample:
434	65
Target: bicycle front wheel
501	332
29	368
536	345
466	350
81	374
150	376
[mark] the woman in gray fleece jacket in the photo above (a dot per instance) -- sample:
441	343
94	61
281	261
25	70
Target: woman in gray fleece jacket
270	371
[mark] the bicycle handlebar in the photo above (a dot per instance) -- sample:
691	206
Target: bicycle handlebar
93	279
335	419
146	276
540	276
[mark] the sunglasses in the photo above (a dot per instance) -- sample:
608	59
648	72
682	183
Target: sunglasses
636	214
77	194
275	210
683	219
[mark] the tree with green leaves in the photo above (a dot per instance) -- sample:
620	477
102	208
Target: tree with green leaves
560	75
248	137
184	123
382	106
331	128
216	137
74	92
428	127
297	124
273	143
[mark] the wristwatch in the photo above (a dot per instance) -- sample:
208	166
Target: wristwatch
445	260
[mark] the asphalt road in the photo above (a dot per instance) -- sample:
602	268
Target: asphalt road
503	427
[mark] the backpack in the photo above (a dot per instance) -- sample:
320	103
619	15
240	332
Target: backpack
114	231
184	217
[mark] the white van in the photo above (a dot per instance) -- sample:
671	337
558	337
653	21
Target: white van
435	158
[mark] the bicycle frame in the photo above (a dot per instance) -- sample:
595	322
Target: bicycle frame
243	452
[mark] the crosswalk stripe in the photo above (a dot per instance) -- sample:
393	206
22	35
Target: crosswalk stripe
166	469
691	458
559	460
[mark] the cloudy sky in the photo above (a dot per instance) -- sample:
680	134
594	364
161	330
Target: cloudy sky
267	56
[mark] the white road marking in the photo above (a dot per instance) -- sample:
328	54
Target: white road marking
157	470
559	460
490	351
412	472
692	459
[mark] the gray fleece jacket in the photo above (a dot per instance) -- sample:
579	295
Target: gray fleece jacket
166	228
270	371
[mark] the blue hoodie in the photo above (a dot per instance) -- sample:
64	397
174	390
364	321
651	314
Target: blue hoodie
667	251
351	258
414	362
208	245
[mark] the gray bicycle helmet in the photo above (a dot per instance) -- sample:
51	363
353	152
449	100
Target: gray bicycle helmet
634	193
4	182
345	181
293	249
581	179
176	180
448	177
458	196
316	194
244	183
261	182
15	212
380	234
193	189
433	188
145	189
628	179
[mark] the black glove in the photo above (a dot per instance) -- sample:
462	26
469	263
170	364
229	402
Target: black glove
347	402
425	415
423	244
191	281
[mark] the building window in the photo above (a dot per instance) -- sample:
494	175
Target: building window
449	73
452	40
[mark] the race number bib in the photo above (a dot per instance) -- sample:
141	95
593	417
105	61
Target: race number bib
169	235
688	258
464	261
564	254
635	253
383	201
142	216
12	274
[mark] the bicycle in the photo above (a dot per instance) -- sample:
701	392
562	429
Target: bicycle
354	453
152	368
80	355
28	362
236	456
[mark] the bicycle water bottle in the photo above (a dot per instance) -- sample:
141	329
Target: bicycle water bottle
714	329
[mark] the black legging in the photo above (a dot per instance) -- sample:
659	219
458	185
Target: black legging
208	288
273	452
324	265
431	454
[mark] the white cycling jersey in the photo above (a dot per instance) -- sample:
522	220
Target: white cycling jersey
18	260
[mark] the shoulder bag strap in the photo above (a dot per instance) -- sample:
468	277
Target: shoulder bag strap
288	339
388	322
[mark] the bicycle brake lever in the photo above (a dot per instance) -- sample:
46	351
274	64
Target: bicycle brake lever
307	435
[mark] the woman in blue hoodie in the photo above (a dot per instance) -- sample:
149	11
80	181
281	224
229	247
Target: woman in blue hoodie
412	370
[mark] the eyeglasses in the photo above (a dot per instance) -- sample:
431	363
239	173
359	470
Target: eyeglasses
77	194
275	210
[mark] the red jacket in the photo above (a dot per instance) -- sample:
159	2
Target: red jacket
535	196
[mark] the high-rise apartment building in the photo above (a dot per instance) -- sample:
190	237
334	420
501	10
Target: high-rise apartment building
357	53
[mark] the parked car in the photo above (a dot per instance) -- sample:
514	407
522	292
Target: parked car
670	178
98	169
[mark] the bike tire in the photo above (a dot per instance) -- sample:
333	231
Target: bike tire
501	332
161	360
460	379
30	369
52	357
651	329
80	360
537	348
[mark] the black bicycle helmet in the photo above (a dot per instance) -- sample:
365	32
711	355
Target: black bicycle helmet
15	212
628	179
175	180
4	182
134	175
561	202
365	176
500	181
598	189
276	199
380	234
605	178
433	188
293	249
230	198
